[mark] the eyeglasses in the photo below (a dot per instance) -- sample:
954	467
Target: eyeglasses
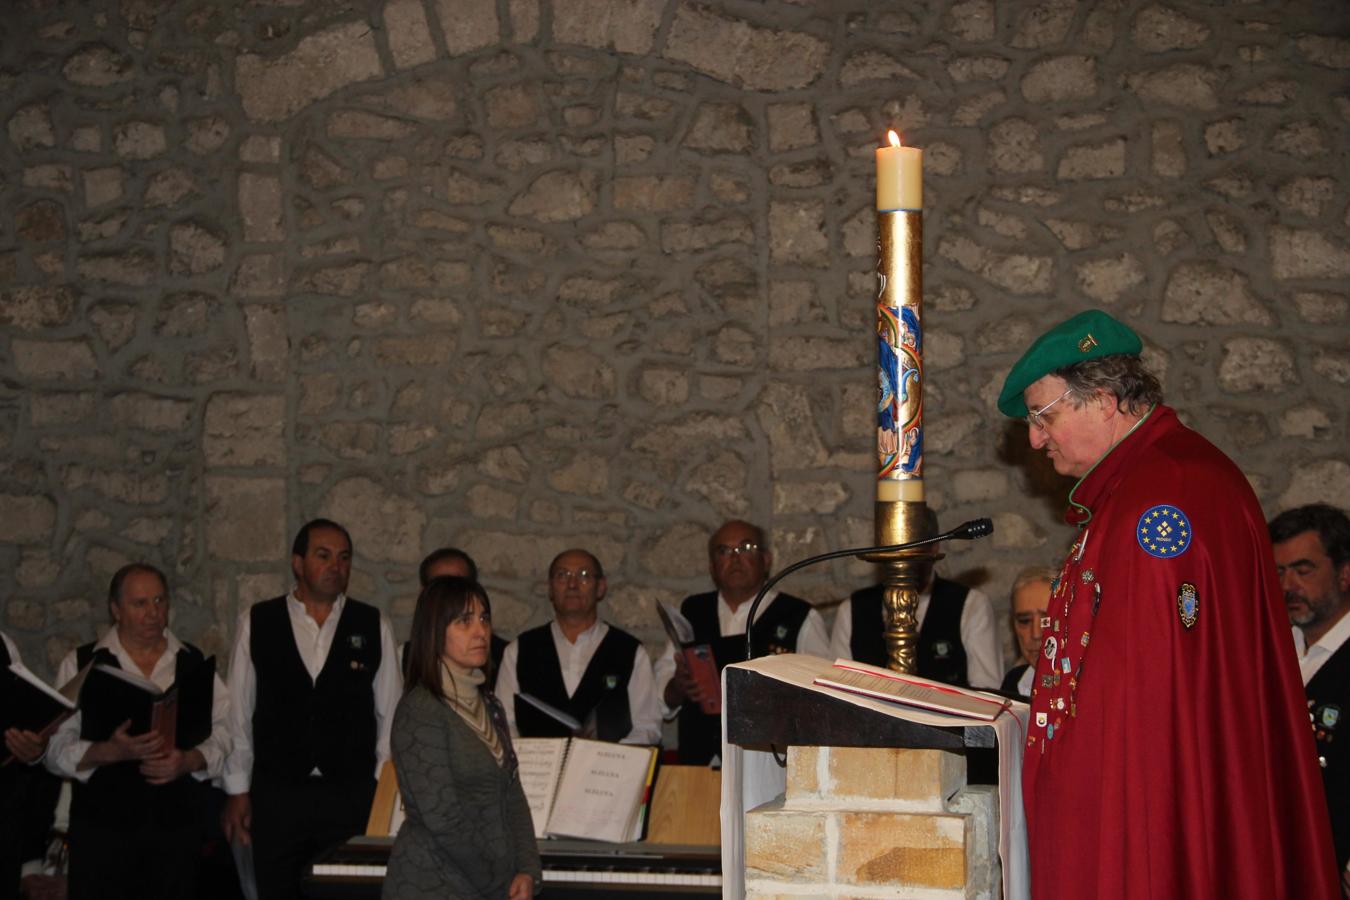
1035	419
726	551
562	576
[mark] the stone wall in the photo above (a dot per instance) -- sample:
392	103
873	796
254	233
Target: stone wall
526	274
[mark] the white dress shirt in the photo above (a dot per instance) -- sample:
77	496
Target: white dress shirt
979	637
67	748
643	707
812	638
1310	659
313	641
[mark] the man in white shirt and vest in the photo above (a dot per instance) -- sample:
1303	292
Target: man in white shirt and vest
958	640
314	680
1312	558
597	674
738	561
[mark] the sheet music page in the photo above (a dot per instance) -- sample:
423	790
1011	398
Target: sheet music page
601	790
541	765
872	681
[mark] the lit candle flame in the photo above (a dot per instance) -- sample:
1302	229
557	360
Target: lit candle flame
893	138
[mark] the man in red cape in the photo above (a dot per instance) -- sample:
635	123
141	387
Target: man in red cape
1169	753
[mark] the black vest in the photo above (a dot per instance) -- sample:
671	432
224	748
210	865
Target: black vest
1329	705
940	654
602	691
5	659
775	631
328	723
117	795
1010	680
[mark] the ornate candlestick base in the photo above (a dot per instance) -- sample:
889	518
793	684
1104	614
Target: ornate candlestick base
904	574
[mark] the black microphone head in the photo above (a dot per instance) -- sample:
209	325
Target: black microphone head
975	528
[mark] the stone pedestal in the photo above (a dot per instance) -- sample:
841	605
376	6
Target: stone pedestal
860	822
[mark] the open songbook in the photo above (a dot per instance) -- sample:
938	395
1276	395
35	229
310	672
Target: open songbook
586	789
30	704
911	690
181	715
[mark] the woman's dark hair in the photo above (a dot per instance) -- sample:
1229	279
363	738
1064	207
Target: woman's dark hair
442	601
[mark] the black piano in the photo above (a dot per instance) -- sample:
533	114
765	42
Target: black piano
573	870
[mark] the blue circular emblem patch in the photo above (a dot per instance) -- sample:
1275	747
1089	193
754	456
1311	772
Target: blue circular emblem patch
1164	532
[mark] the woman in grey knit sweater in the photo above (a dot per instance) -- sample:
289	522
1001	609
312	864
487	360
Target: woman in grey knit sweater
468	833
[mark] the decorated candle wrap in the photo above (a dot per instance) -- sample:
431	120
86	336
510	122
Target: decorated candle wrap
899	322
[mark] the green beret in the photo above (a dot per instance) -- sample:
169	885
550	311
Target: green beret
1088	335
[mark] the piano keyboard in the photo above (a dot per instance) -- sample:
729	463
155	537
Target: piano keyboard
371	870
573	870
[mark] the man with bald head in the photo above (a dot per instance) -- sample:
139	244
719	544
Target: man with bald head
594	672
738	561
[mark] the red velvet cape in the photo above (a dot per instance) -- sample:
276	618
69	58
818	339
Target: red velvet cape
1166	761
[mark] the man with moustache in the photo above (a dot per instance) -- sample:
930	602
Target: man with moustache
314	680
137	806
1168	753
580	665
1312	558
739	561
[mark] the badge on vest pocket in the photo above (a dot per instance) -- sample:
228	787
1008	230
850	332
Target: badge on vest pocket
942	649
611	682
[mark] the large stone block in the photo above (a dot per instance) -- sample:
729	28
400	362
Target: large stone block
733	50
195	249
272	89
1316	482
914	779
148	412
1158	29
786	844
1060	78
784	412
410	43
558	197
245	519
1256	364
723	481
140	140
721	128
920	851
385	524
98	65
627	26
1105	160
35	307
28	518
578	372
71	360
260	206
1014	146
797	233
1307	253
468	25
1184	85
1207	293
1107	280
245	430
1044	24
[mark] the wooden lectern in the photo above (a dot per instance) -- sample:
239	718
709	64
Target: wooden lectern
873	798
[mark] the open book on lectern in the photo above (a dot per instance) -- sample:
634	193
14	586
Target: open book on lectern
586	789
910	690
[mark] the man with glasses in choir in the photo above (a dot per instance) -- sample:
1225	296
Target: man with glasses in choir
738	560
591	672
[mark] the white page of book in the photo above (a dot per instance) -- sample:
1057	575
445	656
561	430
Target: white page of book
22	672
912	690
541	765
601	791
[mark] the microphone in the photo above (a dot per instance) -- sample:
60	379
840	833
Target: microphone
967	531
